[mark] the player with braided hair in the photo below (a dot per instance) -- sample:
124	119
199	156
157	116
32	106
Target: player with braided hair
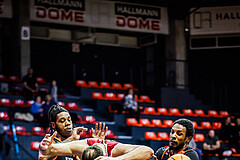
60	121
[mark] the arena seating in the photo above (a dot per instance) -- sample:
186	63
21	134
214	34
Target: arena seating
154	123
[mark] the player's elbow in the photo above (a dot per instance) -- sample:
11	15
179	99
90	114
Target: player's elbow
148	152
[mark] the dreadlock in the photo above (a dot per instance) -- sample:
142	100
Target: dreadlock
52	115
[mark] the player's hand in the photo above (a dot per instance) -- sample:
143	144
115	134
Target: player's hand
46	142
154	157
100	131
77	132
44	146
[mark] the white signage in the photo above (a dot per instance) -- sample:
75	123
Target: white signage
102	14
215	20
6	8
25	33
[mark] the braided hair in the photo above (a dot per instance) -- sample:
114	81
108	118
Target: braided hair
52	115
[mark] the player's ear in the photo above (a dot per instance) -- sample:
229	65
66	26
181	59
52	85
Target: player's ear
53	125
188	139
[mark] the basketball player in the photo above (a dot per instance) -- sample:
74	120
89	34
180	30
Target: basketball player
60	121
181	134
95	148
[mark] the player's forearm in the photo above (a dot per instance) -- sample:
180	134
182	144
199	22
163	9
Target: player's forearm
138	153
60	150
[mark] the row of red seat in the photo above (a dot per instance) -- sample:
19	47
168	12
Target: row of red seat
39	131
88	119
175	112
163	136
106	85
119	96
16	79
144	122
20	103
186	112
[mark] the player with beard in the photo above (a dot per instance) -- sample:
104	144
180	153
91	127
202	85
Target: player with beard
60	121
181	134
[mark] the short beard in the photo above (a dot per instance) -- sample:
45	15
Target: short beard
177	148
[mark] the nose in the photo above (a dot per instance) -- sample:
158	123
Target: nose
173	135
68	122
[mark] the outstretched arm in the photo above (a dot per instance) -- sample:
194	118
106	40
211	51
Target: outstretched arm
47	149
129	152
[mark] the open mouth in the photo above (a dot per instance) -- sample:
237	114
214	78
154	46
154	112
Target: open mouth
173	143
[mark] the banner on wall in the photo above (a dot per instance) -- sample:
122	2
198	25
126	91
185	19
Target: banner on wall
101	14
215	20
6	8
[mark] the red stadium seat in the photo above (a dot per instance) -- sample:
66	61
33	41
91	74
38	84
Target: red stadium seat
167	123
163	136
216	125
29	103
206	125
4	116
156	122
40	80
151	136
5	102
116	86
62	104
21	130
19	103
120	96
15	79
145	122
162	111
137	99
3	78
174	112
73	106
212	113
93	84
38	131
35	145
187	112
80	120
132	122
81	83
97	95
199	113
224	113
195	125
105	85
149	110
110	96
127	86
145	98
89	119
198	137
110	134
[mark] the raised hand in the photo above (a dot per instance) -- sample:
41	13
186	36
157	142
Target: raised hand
100	131
77	132
44	146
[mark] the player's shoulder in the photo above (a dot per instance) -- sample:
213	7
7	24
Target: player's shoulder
160	151
191	153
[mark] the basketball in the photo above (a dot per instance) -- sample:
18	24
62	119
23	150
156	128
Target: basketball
179	157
